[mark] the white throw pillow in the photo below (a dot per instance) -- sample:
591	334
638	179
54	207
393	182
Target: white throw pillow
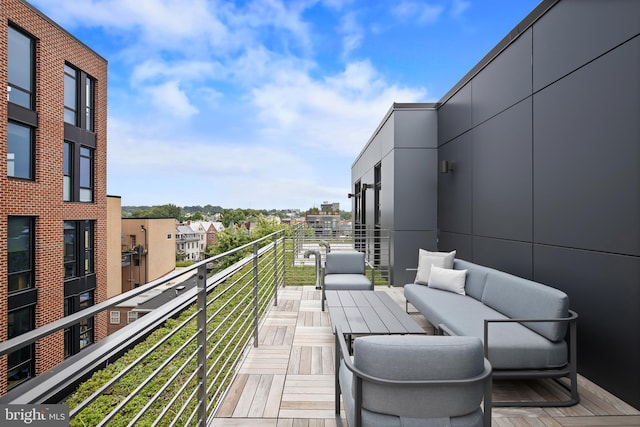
426	259
448	279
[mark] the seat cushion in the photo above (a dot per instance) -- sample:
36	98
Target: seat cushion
511	345
352	282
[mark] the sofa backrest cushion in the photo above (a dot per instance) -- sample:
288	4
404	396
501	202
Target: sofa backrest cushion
519	298
420	357
344	263
476	277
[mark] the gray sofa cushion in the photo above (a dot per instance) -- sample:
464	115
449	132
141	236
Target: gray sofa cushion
476	277
516	297
353	282
344	263
422	357
511	345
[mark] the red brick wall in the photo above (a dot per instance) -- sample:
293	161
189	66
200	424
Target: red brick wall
42	198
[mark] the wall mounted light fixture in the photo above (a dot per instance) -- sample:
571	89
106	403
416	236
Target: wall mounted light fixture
446	166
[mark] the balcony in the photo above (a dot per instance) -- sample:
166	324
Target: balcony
248	346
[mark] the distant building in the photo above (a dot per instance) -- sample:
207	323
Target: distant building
325	222
187	243
53	209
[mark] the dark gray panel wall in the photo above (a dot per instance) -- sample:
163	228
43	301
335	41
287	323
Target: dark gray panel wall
506	255
549	188
504	82
604	290
502	164
587	156
416	186
457	116
578	31
454	188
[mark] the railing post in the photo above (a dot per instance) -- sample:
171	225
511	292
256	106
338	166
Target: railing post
275	270
255	294
202	345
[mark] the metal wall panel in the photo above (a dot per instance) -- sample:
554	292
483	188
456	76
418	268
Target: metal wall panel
502	179
578	31
454	117
603	290
454	188
504	82
505	255
587	156
415	205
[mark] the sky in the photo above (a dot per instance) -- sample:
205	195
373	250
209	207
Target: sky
265	104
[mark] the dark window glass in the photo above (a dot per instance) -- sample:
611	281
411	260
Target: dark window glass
67	171
86	326
19	151
20	253
70	250
70	96
88	247
20	68
88	104
19	362
86	174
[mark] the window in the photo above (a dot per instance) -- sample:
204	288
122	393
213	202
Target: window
132	316
20	253
114	317
68	156
80	335
88	104
78	249
78	173
20	68
70	95
20	366
79	97
86	174
19	151
79	284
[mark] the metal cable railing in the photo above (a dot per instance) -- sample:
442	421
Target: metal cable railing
179	374
174	365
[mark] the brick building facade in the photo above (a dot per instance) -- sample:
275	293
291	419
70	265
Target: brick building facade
53	204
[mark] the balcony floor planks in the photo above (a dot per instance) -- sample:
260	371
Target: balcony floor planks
287	381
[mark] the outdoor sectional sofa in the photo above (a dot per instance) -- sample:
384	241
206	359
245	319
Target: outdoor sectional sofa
527	328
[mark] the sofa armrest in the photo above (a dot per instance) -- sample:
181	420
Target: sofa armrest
572	319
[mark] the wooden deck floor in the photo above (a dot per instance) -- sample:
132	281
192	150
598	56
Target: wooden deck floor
287	381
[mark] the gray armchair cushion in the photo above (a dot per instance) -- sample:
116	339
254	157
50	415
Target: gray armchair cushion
344	263
352	282
420	358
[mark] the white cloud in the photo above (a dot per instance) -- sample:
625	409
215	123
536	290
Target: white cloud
337	114
421	12
459	7
170	98
352	33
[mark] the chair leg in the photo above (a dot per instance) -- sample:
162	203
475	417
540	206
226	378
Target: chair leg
322	299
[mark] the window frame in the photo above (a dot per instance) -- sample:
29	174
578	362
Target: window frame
31	91
30	271
30	176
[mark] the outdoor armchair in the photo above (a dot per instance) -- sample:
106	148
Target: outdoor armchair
345	271
413	380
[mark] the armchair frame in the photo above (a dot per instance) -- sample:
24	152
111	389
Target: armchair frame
343	355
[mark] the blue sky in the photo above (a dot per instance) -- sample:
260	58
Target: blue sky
266	103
